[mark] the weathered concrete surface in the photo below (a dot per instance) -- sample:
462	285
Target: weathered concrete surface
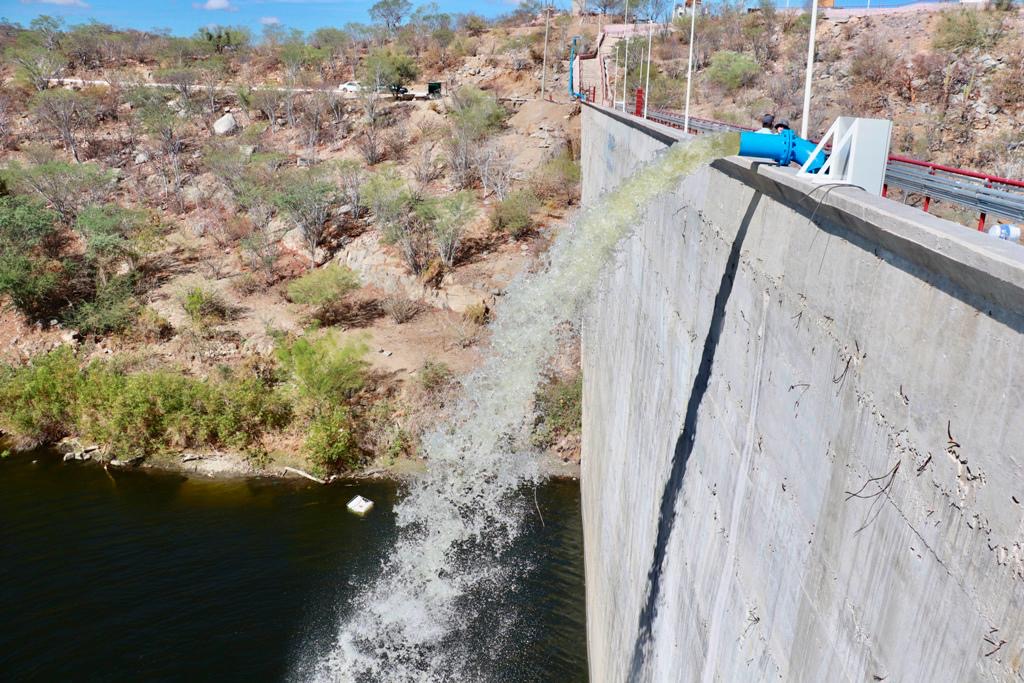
852	506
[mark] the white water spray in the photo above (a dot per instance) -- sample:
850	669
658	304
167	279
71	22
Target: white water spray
460	517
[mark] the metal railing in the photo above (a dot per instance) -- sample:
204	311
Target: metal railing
986	194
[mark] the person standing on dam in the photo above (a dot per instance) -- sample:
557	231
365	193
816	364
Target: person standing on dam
767	123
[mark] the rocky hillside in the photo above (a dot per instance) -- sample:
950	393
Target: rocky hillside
218	212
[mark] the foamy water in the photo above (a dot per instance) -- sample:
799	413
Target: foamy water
461	516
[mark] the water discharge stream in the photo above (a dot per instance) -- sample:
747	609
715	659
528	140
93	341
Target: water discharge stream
458	520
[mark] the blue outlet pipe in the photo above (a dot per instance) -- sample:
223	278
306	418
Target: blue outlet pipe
782	148
572	58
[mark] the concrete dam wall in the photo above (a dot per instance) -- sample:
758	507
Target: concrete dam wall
803	448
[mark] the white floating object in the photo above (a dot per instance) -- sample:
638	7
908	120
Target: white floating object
360	505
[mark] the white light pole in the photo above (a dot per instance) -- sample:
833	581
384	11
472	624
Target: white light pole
650	52
810	69
689	67
625	59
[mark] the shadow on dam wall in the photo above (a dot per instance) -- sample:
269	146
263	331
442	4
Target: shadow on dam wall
684	444
845	500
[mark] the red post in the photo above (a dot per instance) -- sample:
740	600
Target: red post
639	102
981	222
927	203
885	189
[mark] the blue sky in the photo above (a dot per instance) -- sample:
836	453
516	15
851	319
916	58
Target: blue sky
183	17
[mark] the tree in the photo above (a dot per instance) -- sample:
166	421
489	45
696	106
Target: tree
49	29
307	198
475	115
447	219
332	41
351	178
65	111
65	187
385	67
169	128
267	101
86	44
221	39
35	64
296	56
390	13
181	79
314	110
608	6
393	204
6	114
473	24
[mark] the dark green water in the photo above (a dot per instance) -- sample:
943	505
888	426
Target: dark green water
137	576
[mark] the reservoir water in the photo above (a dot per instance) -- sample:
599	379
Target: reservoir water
160	577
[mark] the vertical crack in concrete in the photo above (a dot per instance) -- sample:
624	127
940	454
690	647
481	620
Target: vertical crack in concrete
684	447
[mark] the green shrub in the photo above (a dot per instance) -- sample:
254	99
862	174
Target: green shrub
204	306
37	401
475	113
331	443
514	215
732	70
323	286
559	177
145	413
25	224
114	308
964	29
33	284
324	369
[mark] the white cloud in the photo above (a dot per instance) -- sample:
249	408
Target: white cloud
59	3
216	5
270	21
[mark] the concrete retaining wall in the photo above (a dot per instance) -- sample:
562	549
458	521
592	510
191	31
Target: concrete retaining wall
803	435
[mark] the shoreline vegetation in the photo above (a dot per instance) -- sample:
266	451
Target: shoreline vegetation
316	391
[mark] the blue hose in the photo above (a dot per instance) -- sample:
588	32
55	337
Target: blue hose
782	148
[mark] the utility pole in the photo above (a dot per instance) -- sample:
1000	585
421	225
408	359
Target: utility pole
810	69
544	73
689	67
625	59
650	53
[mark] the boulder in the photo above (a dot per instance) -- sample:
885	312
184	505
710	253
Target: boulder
225	125
293	241
141	158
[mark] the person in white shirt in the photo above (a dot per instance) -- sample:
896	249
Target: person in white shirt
767	123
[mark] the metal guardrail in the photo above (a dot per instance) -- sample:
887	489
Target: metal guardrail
988	195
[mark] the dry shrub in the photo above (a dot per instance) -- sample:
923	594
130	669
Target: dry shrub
395	143
400	309
1008	85
151	327
478	313
939	74
872	61
248	284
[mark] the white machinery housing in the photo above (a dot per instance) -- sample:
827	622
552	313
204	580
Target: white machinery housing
859	154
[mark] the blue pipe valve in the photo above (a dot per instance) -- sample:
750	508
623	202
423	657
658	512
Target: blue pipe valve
782	148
